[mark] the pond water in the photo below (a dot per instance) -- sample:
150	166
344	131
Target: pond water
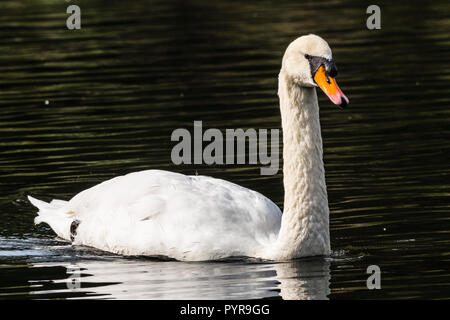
80	107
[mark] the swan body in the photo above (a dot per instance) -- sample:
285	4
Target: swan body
161	213
192	218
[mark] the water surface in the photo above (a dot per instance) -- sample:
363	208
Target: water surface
137	70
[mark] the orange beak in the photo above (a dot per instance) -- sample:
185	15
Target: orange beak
330	87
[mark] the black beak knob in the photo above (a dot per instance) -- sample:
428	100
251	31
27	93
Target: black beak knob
330	68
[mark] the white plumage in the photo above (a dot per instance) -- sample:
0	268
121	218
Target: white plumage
160	213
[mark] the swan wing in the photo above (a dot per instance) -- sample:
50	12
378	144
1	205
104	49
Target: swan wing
160	213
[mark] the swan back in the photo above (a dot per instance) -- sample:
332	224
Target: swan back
160	213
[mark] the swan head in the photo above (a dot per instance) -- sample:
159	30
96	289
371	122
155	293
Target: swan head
308	62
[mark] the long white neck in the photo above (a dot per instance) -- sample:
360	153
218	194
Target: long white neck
305	223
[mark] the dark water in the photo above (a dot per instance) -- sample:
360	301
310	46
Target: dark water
137	70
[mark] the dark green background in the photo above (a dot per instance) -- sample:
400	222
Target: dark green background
137	70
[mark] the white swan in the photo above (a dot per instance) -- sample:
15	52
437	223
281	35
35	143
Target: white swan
160	213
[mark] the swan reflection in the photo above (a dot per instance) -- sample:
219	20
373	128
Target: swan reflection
144	279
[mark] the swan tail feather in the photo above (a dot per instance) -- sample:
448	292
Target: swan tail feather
55	215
